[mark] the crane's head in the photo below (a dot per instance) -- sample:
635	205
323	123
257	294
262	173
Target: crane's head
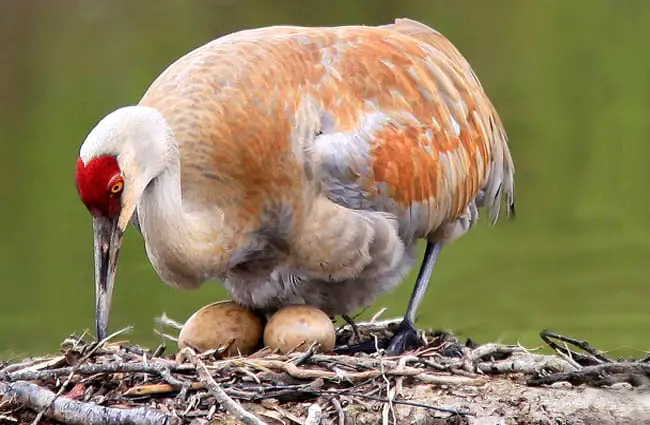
120	156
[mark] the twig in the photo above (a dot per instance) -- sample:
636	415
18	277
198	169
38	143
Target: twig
529	364
399	381
378	314
101	343
602	374
486	350
314	415
34	364
124	375
79	413
165	320
339	410
228	403
302	358
164	371
388	407
418	374
148	389
159	351
403	402
592	357
40	414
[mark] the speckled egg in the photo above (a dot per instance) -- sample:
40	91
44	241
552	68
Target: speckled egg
297	327
217	324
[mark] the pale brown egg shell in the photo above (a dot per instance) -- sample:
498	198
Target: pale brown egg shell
216	324
297	327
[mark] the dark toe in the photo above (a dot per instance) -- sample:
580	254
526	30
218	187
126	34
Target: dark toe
368	347
449	345
405	338
454	350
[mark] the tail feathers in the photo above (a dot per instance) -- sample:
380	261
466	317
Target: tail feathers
501	179
339	244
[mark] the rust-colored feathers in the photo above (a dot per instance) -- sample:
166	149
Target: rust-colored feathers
339	147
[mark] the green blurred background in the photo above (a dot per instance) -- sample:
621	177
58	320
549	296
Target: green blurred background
571	80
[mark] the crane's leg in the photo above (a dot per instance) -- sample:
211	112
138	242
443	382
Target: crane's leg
406	336
353	325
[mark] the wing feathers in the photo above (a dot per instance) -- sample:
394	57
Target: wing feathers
338	244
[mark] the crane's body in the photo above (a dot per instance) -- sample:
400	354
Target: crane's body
303	165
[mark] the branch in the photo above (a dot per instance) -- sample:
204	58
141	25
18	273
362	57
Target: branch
593	356
419	374
602	374
215	389
163	370
79	413
314	415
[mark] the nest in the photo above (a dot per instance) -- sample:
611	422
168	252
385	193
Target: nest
113	381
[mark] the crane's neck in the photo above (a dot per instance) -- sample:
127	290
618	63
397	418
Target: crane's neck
185	245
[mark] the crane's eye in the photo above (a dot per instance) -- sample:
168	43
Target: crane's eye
117	187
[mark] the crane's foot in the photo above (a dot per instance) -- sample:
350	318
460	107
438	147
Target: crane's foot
368	347
450	346
405	338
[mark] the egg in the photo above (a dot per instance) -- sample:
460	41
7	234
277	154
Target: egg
216	325
296	327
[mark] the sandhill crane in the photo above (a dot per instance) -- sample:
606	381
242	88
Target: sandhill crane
299	165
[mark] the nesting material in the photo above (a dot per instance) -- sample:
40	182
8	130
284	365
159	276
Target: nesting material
297	327
222	324
115	382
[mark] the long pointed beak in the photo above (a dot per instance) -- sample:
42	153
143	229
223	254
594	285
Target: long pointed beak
107	240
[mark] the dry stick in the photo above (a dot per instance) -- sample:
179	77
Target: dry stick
160	369
399	381
305	356
74	412
339	410
376	316
219	394
529	364
285	414
403	402
165	320
388	407
314	415
491	349
101	343
569	356
33	364
594	374
149	389
593	355
418	374
40	414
